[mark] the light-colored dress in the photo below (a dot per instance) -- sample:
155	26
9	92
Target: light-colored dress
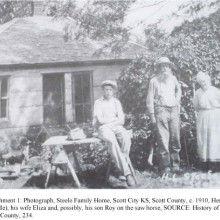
207	103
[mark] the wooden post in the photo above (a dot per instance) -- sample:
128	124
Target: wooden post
48	177
108	171
72	171
131	168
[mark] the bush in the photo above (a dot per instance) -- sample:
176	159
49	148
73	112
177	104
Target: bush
133	92
192	47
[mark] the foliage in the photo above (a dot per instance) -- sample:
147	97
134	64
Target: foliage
106	15
195	7
4	143
104	20
59	9
133	83
93	158
14	9
199	50
143	140
193	47
96	20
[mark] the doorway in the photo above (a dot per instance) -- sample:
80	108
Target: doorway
53	99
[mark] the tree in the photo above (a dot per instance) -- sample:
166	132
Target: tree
104	20
13	9
193	46
96	20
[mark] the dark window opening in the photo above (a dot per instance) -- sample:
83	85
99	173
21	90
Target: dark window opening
83	96
53	99
4	97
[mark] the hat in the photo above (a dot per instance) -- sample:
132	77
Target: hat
109	83
164	60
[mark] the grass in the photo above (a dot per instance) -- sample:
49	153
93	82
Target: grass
146	180
192	179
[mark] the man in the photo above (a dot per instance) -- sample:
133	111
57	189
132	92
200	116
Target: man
163	103
109	116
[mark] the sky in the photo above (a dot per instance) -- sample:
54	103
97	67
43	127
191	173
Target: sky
145	12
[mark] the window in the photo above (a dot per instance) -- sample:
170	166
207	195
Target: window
83	96
53	98
4	97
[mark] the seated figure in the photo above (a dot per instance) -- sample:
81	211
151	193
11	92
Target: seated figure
109	118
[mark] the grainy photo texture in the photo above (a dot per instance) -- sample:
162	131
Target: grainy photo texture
109	94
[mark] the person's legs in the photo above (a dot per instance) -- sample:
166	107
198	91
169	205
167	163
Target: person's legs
213	166
204	166
117	156
163	135
124	138
175	145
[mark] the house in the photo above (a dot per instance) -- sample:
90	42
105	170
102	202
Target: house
45	80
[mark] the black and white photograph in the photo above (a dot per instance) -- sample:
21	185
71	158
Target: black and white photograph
100	94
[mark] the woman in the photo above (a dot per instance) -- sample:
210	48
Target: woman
207	104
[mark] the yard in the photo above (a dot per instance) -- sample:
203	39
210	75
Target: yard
93	162
93	173
193	46
146	180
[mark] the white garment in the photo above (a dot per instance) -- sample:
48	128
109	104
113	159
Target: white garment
207	104
106	111
163	93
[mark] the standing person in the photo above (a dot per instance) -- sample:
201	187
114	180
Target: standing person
163	102
109	116
207	104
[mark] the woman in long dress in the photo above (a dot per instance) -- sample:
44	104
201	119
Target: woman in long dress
207	104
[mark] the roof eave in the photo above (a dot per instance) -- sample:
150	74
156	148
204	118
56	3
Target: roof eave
65	64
